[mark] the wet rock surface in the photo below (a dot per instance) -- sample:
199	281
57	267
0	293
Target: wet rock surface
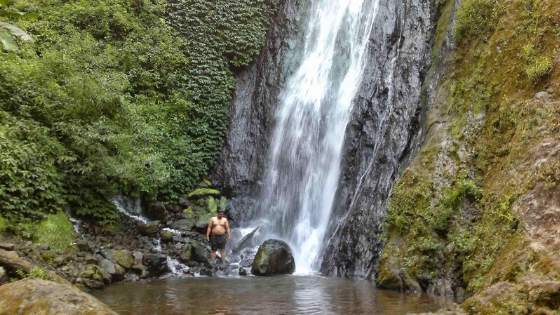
274	257
385	129
100	258
156	263
34	296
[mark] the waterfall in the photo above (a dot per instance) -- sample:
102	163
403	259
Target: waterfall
306	150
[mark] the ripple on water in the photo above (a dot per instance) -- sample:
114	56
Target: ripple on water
252	295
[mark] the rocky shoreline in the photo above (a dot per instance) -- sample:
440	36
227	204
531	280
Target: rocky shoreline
96	261
152	240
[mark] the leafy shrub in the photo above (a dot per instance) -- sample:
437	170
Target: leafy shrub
110	98
56	231
30	185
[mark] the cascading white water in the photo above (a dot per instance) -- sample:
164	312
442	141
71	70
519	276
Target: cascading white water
316	103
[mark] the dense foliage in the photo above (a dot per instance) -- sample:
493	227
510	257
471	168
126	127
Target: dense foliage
109	97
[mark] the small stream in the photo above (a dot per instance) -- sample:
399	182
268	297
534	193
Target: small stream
253	295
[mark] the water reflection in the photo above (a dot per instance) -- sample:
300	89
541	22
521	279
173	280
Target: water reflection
251	295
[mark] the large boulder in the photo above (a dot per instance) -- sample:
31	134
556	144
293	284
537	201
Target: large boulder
35	296
274	257
12	262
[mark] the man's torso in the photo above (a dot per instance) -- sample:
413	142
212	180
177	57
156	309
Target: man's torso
219	226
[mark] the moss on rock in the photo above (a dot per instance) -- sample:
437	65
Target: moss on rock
461	212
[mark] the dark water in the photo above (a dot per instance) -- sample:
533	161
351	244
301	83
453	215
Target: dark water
267	296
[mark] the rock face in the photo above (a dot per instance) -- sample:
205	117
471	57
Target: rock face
385	129
274	257
33	296
251	116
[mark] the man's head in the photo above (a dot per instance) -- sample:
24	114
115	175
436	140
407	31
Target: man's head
221	213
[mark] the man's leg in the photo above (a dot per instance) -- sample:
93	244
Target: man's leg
213	249
223	254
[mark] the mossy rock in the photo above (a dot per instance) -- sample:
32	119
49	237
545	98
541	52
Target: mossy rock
8	35
205	183
392	275
274	257
124	258
34	296
203	192
7	42
166	236
92	272
195	252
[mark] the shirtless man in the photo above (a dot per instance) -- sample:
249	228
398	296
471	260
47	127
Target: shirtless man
216	234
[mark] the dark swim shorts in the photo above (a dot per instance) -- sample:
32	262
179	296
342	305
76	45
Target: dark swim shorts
218	242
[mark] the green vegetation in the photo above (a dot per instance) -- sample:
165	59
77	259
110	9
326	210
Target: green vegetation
3	225
477	18
108	97
202	192
539	68
56	231
34	273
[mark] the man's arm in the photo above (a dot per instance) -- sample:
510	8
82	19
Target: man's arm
208	230
228	229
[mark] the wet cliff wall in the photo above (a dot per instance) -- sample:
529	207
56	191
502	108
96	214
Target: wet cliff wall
385	128
242	160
